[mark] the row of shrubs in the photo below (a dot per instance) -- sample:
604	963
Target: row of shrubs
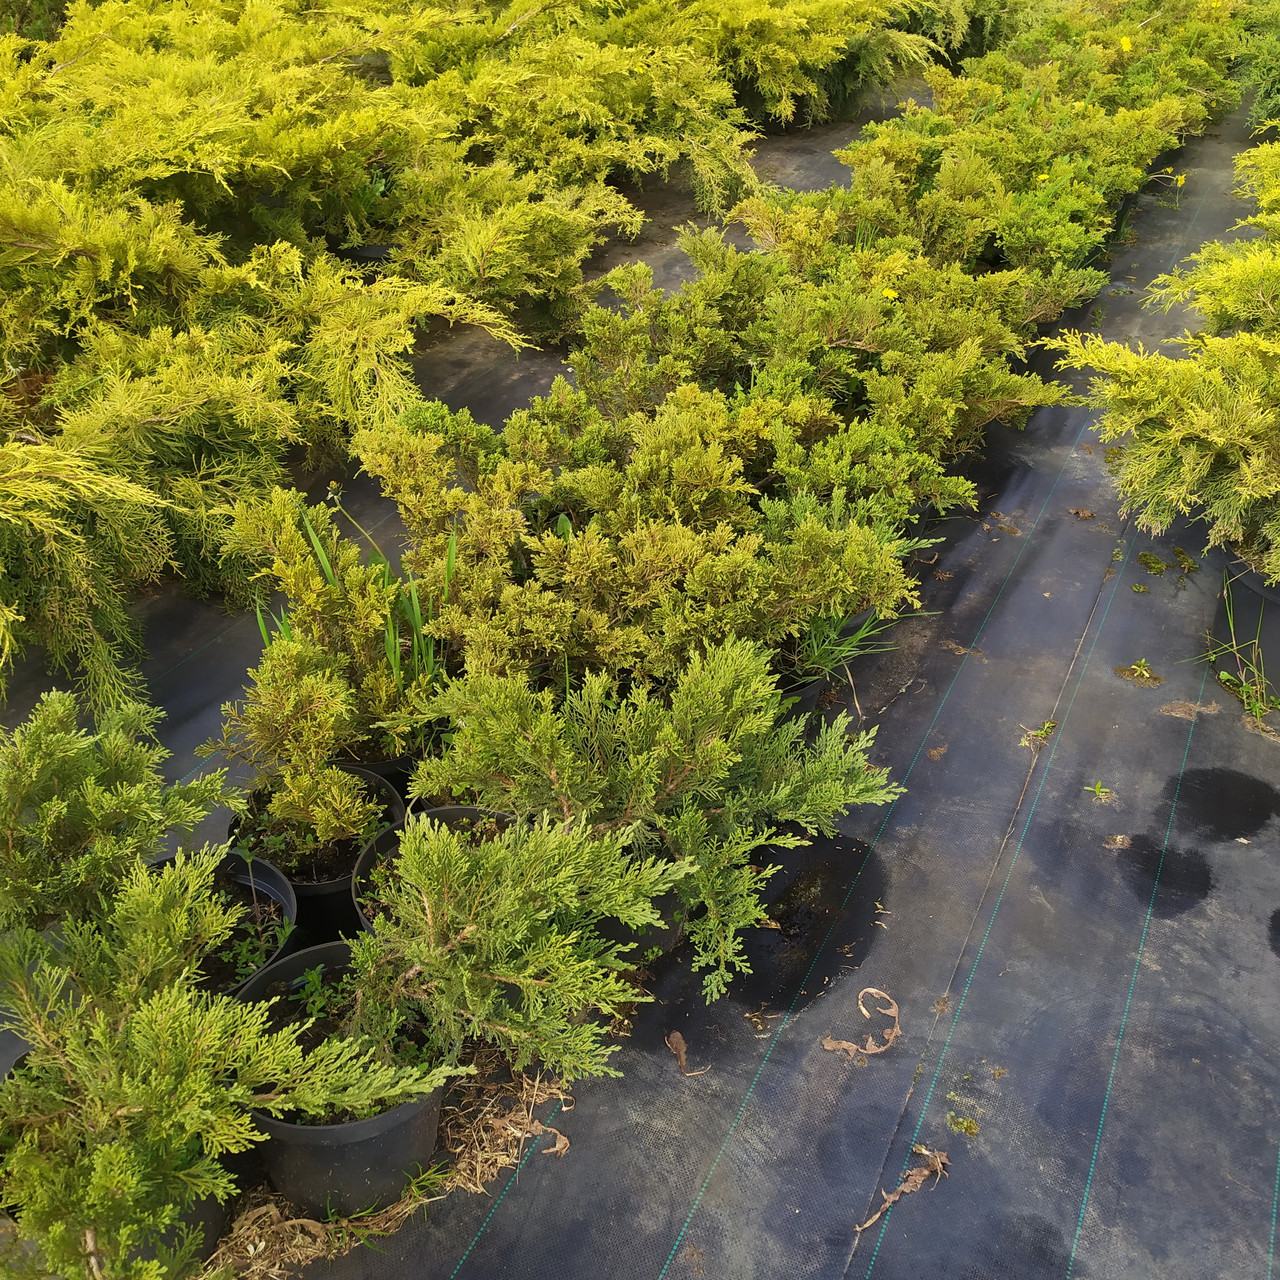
591	636
1195	431
222	227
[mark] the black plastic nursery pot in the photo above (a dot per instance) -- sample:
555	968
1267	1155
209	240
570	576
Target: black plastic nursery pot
209	1217
326	911
1241	576
453	815
465	815
335	1170
261	877
398	771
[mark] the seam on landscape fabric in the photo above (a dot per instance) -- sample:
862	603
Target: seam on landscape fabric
1133	982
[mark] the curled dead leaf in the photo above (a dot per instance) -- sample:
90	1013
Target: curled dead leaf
888	1010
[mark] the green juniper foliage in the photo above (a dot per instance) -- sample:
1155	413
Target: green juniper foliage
1197	432
1260	57
137	1082
574	544
175	180
81	807
76	539
709	776
489	937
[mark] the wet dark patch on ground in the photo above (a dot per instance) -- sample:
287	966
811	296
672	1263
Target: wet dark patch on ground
1222	804
1185	875
807	902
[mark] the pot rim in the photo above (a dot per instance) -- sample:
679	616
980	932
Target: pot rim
303	1134
371	853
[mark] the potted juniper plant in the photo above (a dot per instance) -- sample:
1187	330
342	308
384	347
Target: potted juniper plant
480	933
346	1159
305	814
121	1127
488	934
348	616
708	774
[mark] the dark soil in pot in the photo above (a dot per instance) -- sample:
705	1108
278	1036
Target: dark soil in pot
351	1165
481	824
321	877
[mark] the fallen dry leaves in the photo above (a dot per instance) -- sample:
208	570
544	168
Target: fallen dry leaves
889	1010
935	1166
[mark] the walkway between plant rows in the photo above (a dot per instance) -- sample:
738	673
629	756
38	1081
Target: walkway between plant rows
1086	985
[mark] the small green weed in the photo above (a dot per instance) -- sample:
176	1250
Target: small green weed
1035	739
1248	681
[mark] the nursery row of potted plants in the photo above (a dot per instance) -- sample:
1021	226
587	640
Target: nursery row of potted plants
1195	432
196	284
589	645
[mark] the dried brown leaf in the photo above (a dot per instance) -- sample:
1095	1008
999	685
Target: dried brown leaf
559	1147
675	1042
841	1046
935	1166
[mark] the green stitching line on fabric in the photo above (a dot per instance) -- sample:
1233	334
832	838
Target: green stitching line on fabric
1133	982
933	1084
1275	1203
715	1164
494	1207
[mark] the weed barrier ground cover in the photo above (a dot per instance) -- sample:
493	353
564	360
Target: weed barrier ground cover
1077	935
